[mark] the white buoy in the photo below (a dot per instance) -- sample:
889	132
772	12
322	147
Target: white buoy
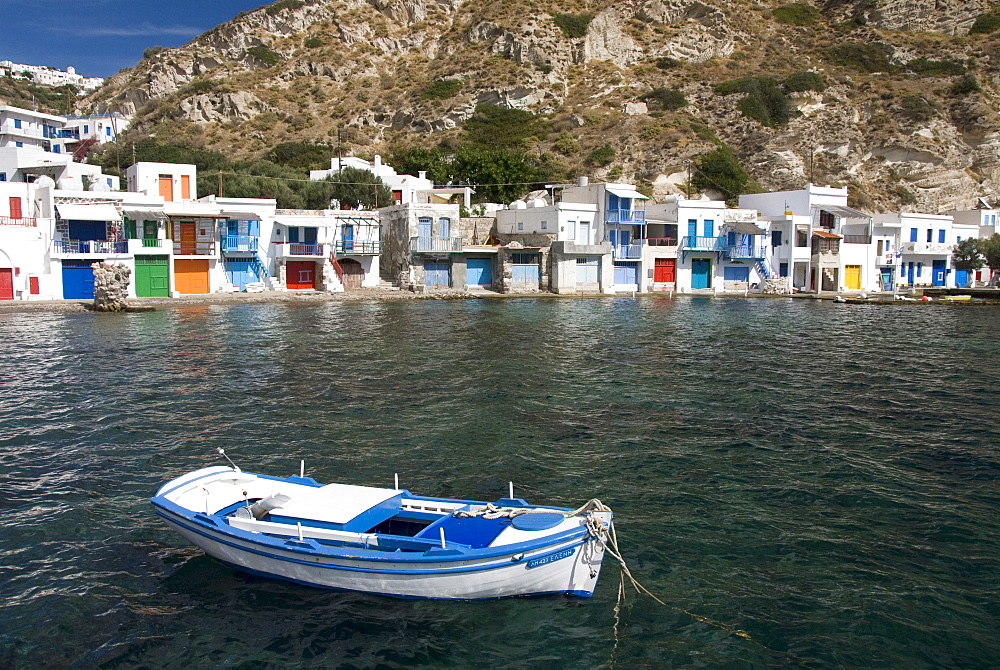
395	480
299	526
442	537
511	490
302	468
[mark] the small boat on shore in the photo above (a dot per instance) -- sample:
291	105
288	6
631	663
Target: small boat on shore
956	298
386	540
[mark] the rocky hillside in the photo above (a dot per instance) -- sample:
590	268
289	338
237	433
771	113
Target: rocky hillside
896	98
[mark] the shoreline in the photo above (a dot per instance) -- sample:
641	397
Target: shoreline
382	295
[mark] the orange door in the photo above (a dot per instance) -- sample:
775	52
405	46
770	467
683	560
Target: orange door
191	276
185	187
167	187
15	208
189	238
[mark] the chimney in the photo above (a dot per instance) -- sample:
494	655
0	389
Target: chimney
378	163
422	174
582	181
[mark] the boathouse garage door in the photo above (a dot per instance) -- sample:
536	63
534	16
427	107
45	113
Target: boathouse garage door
701	273
665	271
588	273
239	271
437	273
354	274
852	277
6	284
526	271
626	276
78	279
300	274
479	272
191	276
152	276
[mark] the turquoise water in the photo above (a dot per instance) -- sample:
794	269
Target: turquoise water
823	477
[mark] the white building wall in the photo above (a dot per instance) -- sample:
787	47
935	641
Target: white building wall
144	177
24	242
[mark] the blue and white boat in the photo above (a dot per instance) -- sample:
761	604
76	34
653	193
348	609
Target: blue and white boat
386	540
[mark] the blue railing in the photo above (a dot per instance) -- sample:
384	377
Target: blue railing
435	244
299	249
68	134
625	216
241	243
629	251
357	247
90	246
737	251
703	243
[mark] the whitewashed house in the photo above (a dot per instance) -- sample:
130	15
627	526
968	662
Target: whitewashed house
25	235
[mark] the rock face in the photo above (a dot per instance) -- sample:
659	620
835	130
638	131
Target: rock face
110	287
909	136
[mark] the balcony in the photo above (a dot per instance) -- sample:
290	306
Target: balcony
695	243
301	249
358	247
631	216
239	243
926	248
745	251
102	247
431	244
18	221
628	251
147	245
661	241
193	248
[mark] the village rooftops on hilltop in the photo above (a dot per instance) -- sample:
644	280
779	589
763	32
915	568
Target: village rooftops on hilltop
48	76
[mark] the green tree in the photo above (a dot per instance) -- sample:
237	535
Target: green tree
302	155
720	170
764	101
494	127
990	249
499	175
355	187
967	255
412	160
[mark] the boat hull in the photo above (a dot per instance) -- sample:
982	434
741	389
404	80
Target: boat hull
570	567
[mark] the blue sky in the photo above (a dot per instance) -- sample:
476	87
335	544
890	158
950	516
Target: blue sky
100	37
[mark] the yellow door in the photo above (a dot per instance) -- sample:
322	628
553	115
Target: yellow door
852	277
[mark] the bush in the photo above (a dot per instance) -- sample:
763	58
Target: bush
796	14
301	155
935	68
284	4
573	25
916	108
985	24
805	81
720	170
861	56
566	145
665	98
201	86
964	86
152	51
264	55
667	63
764	101
442	89
492	126
601	156
313	42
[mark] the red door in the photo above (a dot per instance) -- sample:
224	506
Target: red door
300	274
665	270
15	208
6	284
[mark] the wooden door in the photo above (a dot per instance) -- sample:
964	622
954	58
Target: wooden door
852	277
6	284
166	184
189	238
354	274
300	275
191	276
665	270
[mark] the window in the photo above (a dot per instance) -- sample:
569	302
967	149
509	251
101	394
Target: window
424	224
86	129
920	268
520	226
888	246
444	228
958	239
17	123
775	238
692	227
940	237
826	219
782	269
913	234
545	225
571	229
56	149
107	131
293	235
709	228
3	176
18	144
801	236
930	235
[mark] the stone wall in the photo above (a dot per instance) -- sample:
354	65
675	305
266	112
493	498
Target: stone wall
111	283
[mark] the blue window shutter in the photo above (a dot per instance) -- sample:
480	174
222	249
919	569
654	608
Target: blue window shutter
941	236
913	234
709	228
293	235
253	228
692	227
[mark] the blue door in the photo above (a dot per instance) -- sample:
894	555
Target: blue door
909	273
480	272
88	230
736	273
701	273
437	273
627	274
424	227
347	236
526	271
961	278
78	279
692	229
240	271
937	272
887	279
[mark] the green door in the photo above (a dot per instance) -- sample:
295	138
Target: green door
152	277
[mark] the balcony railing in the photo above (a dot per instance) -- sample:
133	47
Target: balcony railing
928	248
200	248
302	249
26	222
857	239
418	244
629	251
240	243
90	247
703	243
358	247
746	251
625	216
151	243
661	241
